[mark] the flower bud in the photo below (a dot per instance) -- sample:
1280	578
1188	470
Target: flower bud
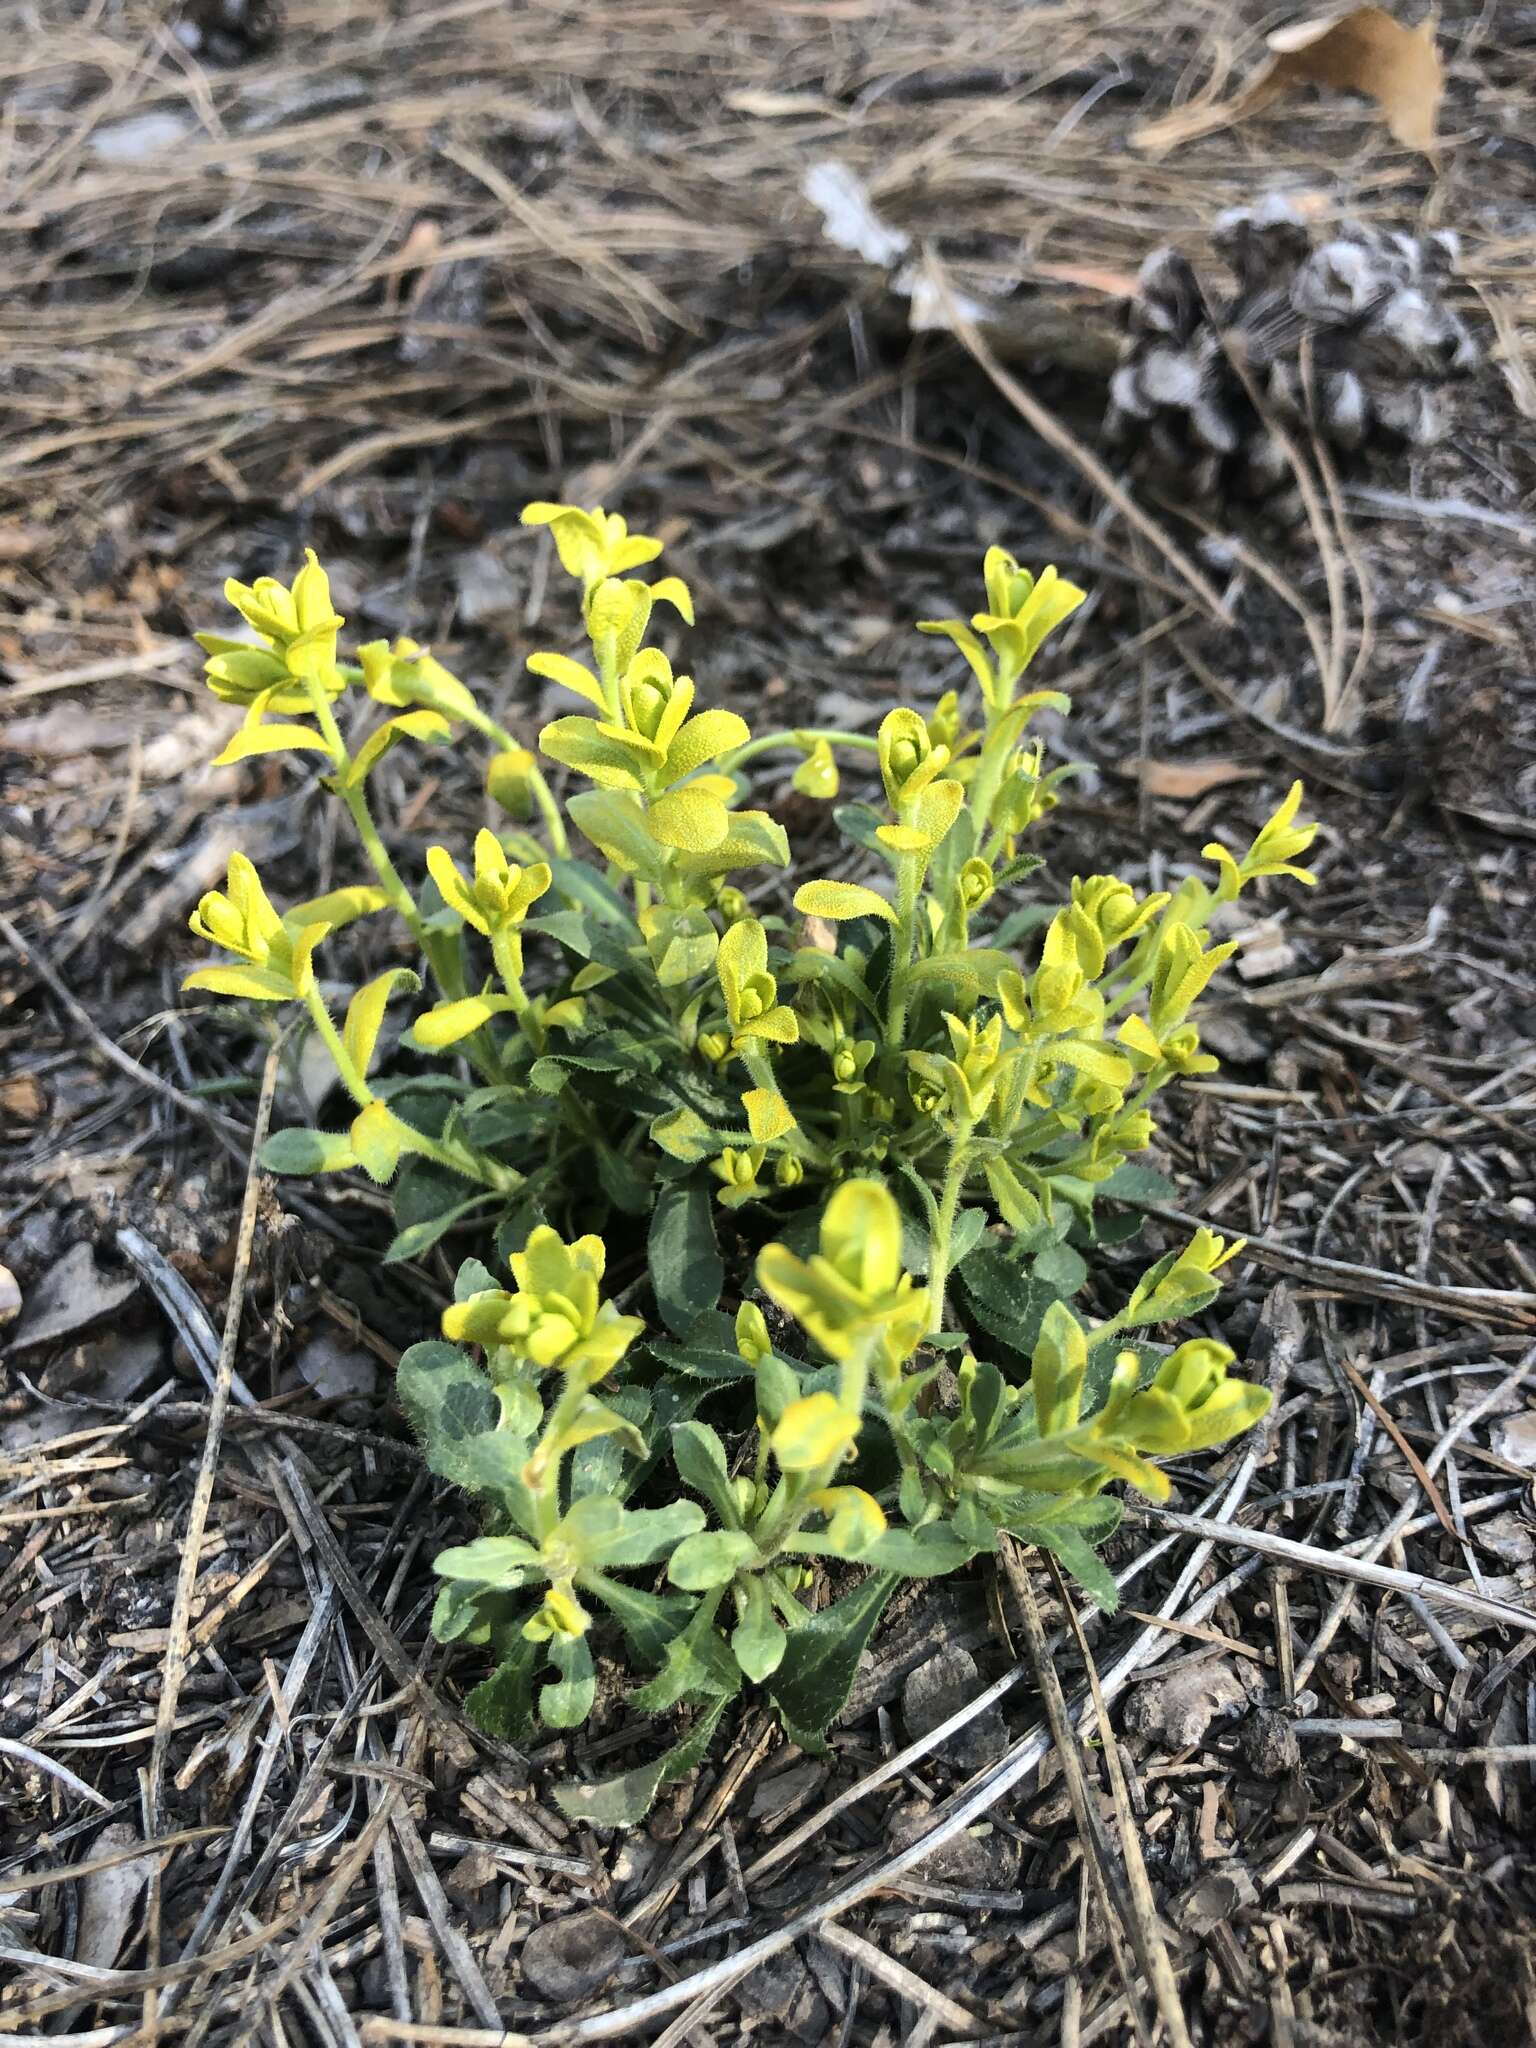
817	774
715	1046
976	884
731	904
790	1171
753	1344
509	782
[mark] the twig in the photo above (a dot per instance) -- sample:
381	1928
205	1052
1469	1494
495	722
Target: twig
174	1669
1339	1564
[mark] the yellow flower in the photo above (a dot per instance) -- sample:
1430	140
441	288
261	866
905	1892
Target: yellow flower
738	1170
278	961
855	1519
1273	852
561	1616
297	628
556	1317
501	894
592	545
406	674
750	991
853	1287
753	1343
1022	610
813	1431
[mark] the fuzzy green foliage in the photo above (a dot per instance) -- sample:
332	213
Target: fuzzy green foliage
904	1099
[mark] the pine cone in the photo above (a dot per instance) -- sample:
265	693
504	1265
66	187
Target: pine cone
1350	337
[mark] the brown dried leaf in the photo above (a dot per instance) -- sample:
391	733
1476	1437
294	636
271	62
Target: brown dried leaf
1184	778
1365	51
23	1098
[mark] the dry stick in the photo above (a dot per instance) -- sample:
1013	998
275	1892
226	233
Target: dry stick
1353	552
315	1631
19	1881
174	1669
1120	1917
1050	430
1145	1931
1331	677
1337	1564
183	1308
1402	1520
429	1890
332	1896
904	1982
1415	1463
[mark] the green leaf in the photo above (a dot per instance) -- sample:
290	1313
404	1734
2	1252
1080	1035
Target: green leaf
624	1801
446	1023
1007	1303
428	726
710	1559
683	1134
449	1403
365	1013
840	901
1060	1268
300	1151
488	1561
692	819
811	1686
417	1238
503	1703
701	1465
1090	1570
375	1137
698	1665
970	1228
927	1553
754	840
646	1535
339	906
1015	870
759	1640
270	739
717	1362
1142	1186
686	1271
859	823
567	1703
616	824
580	885
650	1621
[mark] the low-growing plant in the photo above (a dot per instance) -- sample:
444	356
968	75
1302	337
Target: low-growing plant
902	1103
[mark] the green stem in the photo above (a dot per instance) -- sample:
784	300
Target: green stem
504	949
545	1464
458	1158
908	880
343	1061
943	1232
797	739
356	802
